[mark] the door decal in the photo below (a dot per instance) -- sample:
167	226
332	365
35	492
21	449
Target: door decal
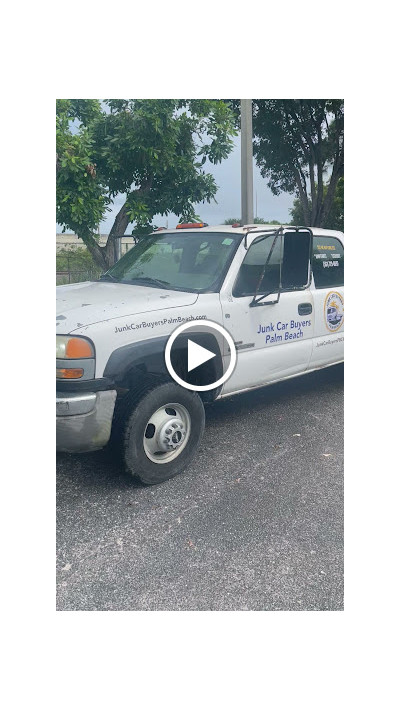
334	311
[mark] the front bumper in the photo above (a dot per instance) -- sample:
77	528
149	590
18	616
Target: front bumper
84	420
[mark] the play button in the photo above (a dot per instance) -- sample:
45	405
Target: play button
197	355
200	355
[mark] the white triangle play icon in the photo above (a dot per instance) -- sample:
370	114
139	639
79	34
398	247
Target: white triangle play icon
197	355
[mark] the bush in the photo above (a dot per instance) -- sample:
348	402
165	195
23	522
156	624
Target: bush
77	264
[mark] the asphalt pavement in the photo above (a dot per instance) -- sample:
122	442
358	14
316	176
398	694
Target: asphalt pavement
254	523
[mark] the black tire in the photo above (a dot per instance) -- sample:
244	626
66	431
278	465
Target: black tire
136	429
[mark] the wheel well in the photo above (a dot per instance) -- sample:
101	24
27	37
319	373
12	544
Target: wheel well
145	363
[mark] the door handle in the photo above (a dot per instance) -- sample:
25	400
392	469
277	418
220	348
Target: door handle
304	309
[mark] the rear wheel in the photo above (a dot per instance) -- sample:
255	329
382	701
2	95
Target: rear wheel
162	433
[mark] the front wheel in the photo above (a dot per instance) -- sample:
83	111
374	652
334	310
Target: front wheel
162	433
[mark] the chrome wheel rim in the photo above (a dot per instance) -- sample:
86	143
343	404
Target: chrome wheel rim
167	433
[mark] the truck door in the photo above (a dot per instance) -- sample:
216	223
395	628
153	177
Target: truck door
268	309
328	294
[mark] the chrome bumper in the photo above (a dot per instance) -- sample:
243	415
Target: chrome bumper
84	420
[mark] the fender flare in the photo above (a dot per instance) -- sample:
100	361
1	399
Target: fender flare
134	360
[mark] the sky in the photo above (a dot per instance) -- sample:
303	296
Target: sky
227	177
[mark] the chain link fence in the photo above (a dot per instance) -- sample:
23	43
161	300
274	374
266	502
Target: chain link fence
73	266
73	276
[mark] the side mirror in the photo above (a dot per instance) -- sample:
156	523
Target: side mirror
293	269
296	259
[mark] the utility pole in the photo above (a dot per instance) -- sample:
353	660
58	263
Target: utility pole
246	122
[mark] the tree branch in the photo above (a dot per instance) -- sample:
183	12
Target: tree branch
97	252
121	222
337	172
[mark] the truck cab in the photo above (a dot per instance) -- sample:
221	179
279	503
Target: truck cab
277	291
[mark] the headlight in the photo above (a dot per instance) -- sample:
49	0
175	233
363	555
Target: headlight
75	358
73	347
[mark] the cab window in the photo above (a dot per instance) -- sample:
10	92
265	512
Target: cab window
292	250
328	262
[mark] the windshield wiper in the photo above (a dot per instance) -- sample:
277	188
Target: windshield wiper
107	277
149	280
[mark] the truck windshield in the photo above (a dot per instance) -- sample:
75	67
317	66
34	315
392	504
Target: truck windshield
191	261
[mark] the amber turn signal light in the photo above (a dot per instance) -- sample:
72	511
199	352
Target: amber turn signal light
69	372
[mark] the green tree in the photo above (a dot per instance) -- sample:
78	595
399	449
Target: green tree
75	259
299	147
257	221
151	151
335	218
79	264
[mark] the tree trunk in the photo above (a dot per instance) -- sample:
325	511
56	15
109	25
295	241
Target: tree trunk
337	172
121	222
95	250
313	192
106	256
303	198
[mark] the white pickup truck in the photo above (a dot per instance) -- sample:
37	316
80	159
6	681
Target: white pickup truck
278	291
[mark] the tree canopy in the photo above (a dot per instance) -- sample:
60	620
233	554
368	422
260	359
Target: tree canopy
298	145
151	151
335	217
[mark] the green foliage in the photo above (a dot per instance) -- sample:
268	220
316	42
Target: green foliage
81	198
261	221
143	230
84	110
335	217
296	212
77	258
257	221
152	151
79	264
299	145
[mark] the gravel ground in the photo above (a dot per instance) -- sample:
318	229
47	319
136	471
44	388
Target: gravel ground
255	523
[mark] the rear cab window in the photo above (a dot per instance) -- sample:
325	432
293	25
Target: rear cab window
327	262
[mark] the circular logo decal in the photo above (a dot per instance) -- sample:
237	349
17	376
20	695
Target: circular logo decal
334	311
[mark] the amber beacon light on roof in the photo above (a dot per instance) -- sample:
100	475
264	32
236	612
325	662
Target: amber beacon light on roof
190	225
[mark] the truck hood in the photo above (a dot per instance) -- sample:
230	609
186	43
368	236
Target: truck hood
91	302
